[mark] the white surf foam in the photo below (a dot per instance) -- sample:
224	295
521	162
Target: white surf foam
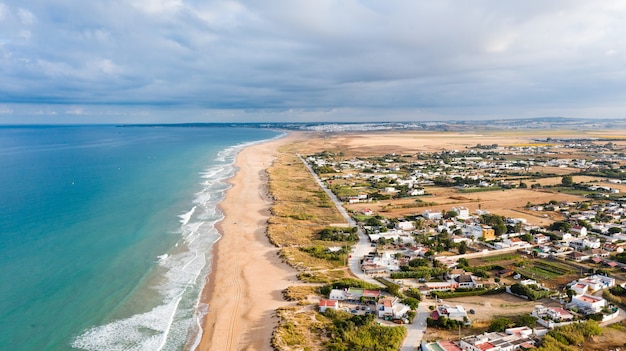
185	217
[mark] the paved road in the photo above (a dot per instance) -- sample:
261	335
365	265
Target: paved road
361	248
415	331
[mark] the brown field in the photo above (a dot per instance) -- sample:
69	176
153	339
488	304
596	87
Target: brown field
377	143
486	308
508	203
362	144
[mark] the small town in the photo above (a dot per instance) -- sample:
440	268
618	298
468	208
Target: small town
543	223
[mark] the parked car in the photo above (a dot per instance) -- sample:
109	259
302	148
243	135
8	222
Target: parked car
472	311
398	321
354	311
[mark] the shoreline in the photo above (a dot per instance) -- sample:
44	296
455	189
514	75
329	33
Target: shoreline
246	277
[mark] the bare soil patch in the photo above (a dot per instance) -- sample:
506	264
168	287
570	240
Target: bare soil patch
510	203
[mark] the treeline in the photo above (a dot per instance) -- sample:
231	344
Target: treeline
569	337
323	253
339	234
533	292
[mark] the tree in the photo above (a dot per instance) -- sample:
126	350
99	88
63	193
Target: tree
567	180
614	230
499	324
450	214
462	247
411	302
418	262
526	320
563	226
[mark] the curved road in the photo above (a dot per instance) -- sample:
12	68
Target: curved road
415	331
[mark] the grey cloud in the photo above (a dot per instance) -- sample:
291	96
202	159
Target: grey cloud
410	58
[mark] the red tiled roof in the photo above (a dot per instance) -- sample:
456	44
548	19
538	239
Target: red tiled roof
372	293
485	346
450	346
328	303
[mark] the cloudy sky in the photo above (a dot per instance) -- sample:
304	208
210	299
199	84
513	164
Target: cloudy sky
137	61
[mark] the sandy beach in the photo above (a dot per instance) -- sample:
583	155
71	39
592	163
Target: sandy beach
247	278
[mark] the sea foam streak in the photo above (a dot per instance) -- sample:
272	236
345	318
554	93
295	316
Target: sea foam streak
177	320
184	218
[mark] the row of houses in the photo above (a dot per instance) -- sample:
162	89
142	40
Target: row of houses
385	306
512	339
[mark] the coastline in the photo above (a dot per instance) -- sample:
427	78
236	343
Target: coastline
247	277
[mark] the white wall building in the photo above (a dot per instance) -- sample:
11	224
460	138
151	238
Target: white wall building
589	302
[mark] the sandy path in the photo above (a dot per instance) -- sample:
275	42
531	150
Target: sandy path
245	285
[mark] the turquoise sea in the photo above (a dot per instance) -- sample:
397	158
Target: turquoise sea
105	233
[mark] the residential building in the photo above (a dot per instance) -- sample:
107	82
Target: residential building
589	303
457	313
440	346
579	231
326	304
488	233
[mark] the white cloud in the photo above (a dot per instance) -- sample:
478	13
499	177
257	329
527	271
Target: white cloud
26	17
106	66
158	6
3	11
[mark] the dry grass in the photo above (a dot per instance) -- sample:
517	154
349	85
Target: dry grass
300	210
300	207
299	329
300	292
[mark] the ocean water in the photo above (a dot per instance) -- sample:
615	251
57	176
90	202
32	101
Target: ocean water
105	233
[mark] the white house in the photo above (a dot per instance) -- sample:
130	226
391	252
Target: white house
432	214
551	317
391	307
592	284
405	225
589	302
417	192
326	304
541	239
579	231
457	312
462	212
337	294
585	243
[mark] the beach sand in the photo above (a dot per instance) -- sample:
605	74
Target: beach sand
247	278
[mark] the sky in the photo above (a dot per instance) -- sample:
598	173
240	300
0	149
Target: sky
162	61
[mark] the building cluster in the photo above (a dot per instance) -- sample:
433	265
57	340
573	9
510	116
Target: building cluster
382	306
479	166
